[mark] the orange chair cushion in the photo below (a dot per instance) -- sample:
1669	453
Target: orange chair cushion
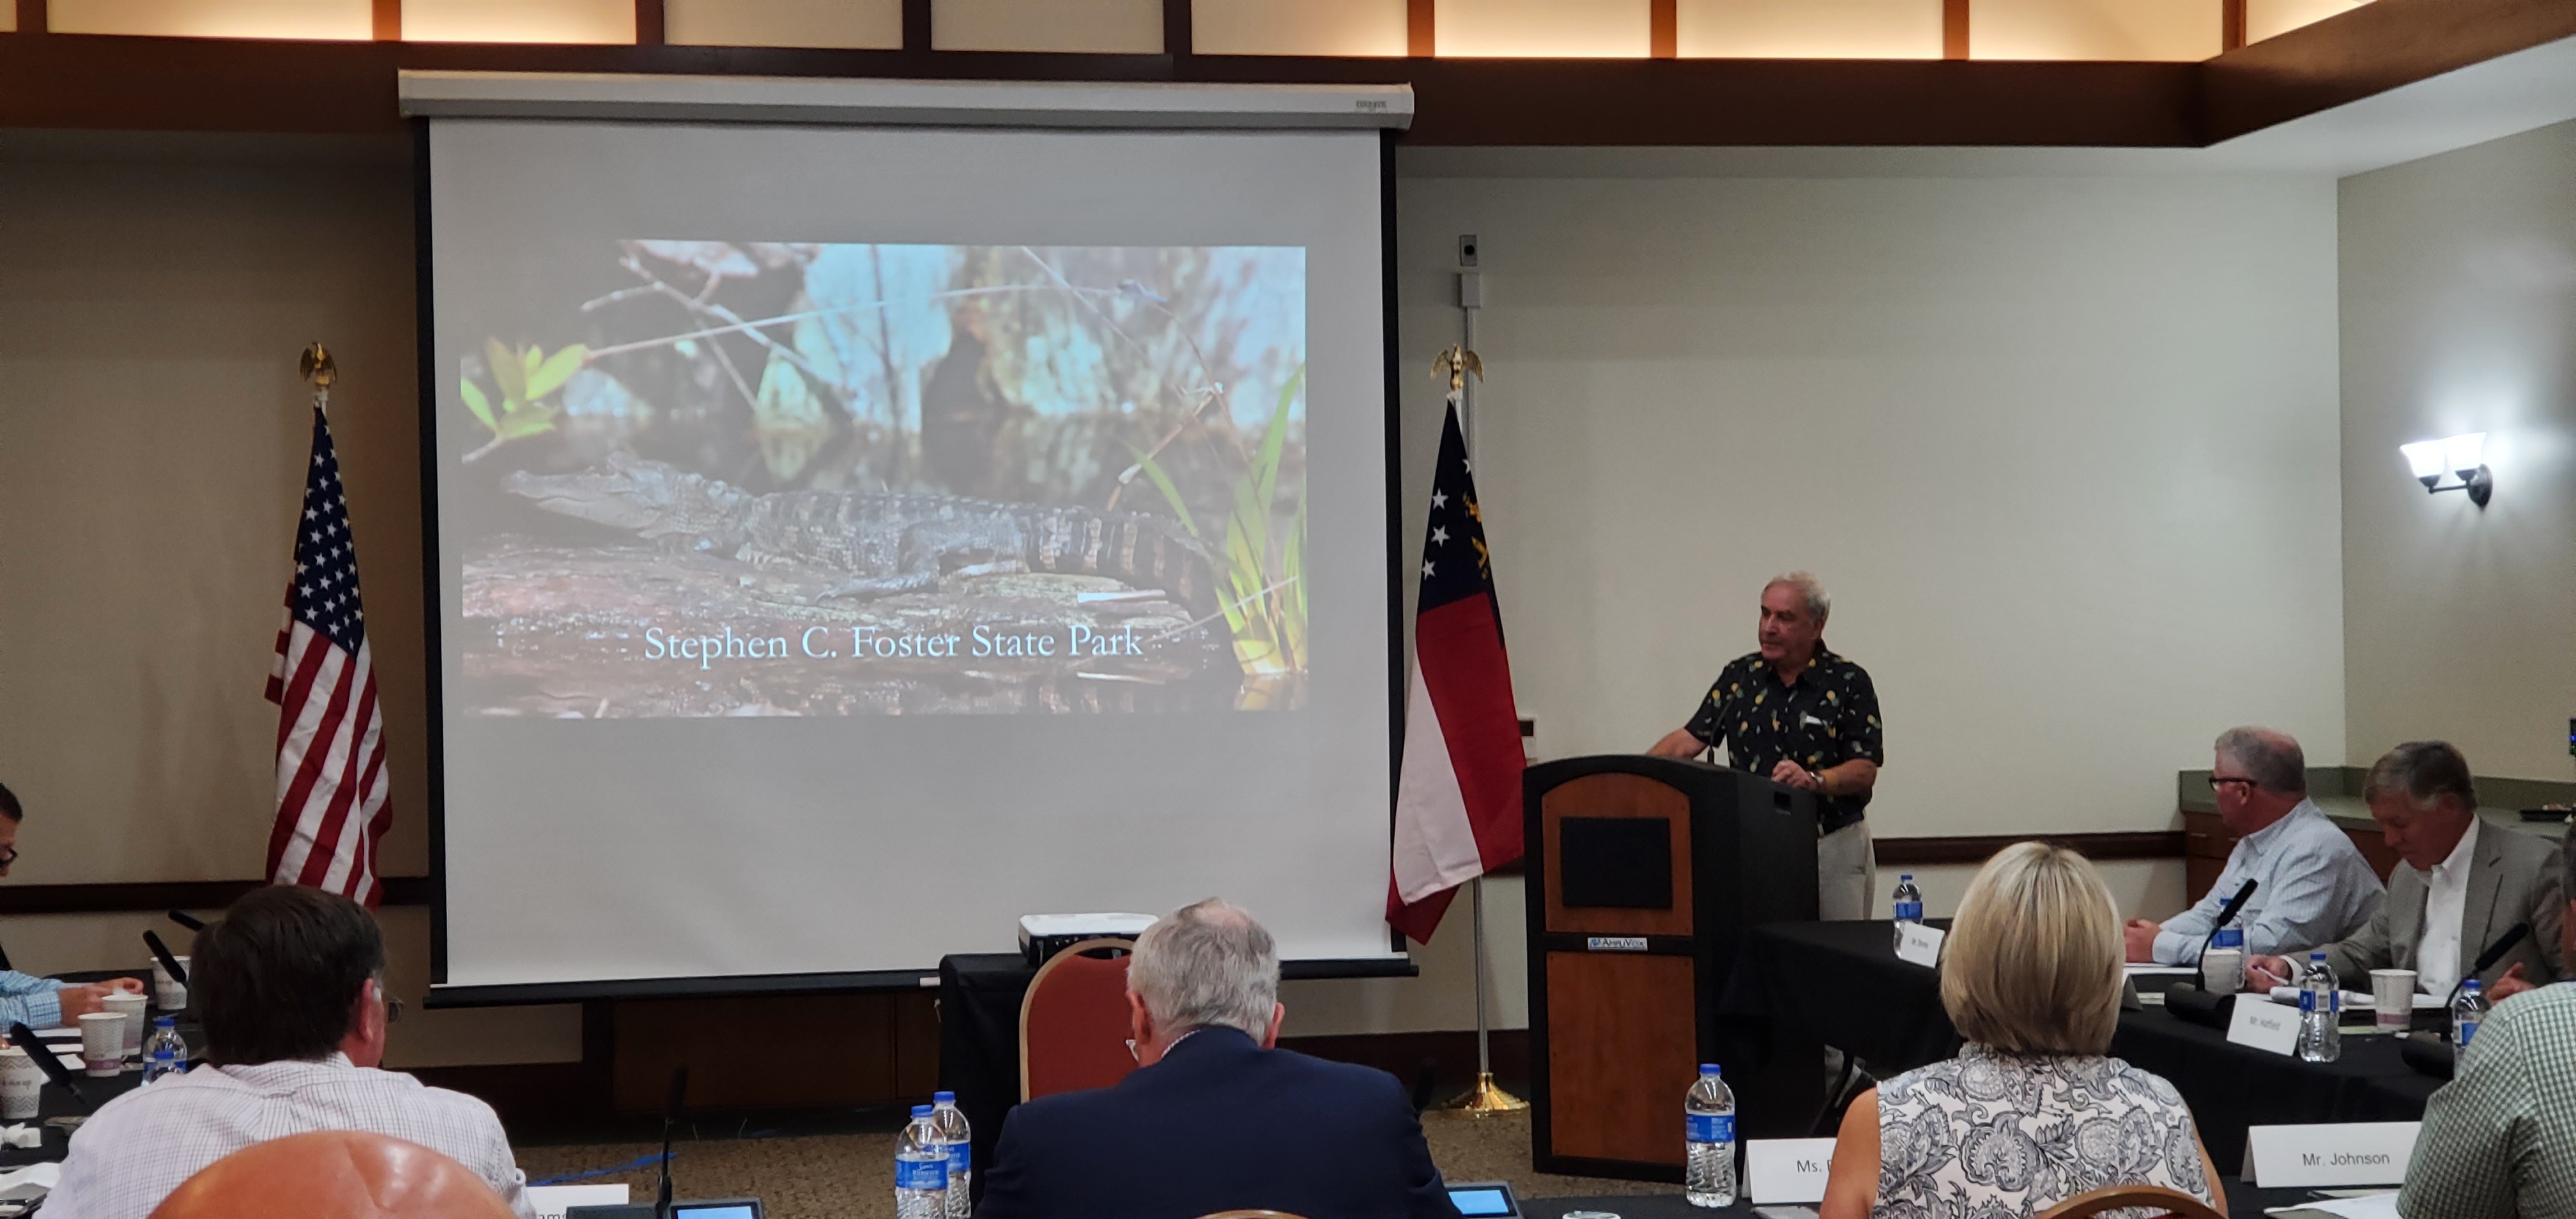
1074	1026
334	1174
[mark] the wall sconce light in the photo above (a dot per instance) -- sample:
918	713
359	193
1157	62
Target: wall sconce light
2463	455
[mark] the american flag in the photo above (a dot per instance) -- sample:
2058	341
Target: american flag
331	805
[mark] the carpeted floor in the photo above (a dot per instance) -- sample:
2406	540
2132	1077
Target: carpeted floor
851	1176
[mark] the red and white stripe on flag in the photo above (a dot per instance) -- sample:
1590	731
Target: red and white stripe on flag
331	806
1458	797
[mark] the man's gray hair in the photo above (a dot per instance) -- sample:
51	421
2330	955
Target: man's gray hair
1207	964
1820	604
2425	771
2272	759
2567	862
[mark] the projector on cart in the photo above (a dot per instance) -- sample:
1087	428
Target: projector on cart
1044	935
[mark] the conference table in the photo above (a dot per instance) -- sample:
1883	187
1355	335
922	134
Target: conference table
1841	984
52	1101
2243	1201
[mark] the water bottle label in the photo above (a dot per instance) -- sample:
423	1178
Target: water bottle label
2307	1002
910	1173
961	1157
2468	1029
1709	1127
1909	912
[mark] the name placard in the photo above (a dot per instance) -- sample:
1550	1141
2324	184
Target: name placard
1787	1170
2349	1153
1615	943
2264	1025
1919	944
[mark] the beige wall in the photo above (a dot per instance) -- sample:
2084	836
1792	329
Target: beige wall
2459	315
2065	450
152	445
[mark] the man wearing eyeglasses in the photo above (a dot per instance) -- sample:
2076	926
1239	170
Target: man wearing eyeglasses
2312	885
43	1003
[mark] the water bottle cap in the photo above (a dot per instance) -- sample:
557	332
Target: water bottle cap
943	1098
166	1022
2469	986
921	1110
1904	876
2318	955
1707	1069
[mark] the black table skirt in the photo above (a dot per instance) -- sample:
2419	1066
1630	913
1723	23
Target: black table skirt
979	1039
1843	983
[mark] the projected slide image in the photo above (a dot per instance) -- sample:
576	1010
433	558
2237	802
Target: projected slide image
733	478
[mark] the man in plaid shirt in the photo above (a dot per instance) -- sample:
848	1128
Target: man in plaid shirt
291	988
2500	1139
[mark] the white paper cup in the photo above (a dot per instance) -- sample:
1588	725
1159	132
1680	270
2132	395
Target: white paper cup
2392	995
130	1004
2222	970
167	993
21	1080
103	1042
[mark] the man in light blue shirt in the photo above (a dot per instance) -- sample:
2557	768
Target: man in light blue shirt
2312	885
42	1003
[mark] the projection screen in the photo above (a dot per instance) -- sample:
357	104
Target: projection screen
852	538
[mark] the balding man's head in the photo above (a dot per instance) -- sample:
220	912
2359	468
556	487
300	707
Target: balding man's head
2260	775
1207	964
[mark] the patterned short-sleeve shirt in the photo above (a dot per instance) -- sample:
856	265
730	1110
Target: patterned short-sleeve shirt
1992	1135
1827	717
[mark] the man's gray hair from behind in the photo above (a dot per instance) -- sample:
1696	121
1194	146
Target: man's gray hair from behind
2272	759
1820	604
1207	964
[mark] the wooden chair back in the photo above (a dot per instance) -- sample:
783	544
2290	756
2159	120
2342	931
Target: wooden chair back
2154	1198
1073	1021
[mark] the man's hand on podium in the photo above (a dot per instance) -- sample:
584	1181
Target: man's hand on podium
1789	774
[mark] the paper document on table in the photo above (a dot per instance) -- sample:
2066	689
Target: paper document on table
2142	969
2355	1000
2367	1206
32	1181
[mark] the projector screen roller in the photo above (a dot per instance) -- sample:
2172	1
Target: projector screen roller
851	539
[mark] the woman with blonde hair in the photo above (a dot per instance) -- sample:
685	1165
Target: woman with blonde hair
2031	1112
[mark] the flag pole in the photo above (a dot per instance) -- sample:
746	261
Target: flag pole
1486	1098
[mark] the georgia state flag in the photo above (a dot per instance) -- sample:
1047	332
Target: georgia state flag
1458	801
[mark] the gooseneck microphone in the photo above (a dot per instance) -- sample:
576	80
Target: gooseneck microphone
169	960
2486	960
662	1187
187	920
2225	912
25	1038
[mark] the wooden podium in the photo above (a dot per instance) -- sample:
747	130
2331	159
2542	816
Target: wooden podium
1647	873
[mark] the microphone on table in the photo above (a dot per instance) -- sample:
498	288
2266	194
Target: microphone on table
4	959
2225	912
662	1188
169	960
2486	960
187	920
25	1038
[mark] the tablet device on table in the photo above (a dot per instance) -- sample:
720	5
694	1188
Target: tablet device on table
1485	1200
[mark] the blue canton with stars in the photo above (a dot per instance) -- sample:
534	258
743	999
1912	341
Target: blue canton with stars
325	595
1455	563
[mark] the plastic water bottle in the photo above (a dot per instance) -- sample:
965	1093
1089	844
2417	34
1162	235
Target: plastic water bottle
2467	1013
1909	905
2320	1011
920	1170
959	1139
165	1053
1708	1119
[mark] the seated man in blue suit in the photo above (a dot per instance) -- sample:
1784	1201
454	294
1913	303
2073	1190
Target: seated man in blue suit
1216	1117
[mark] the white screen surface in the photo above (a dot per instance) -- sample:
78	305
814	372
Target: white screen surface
795	617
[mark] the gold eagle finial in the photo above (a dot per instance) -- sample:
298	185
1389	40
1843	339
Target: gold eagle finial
1455	363
317	367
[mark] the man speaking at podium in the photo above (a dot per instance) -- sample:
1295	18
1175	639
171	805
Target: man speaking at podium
1799	715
